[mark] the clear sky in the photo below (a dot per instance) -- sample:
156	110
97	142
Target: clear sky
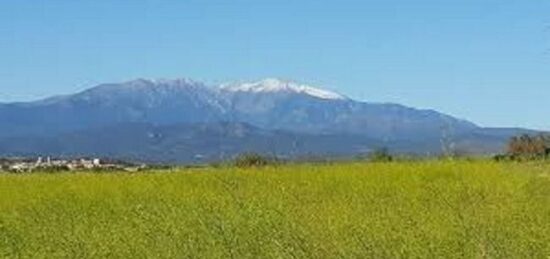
484	60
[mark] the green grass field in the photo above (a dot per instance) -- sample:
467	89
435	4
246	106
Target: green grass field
351	210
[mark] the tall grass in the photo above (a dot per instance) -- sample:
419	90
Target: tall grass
353	210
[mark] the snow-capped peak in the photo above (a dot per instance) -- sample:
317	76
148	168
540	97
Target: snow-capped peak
272	85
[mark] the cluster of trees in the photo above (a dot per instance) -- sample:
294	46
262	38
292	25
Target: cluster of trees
529	147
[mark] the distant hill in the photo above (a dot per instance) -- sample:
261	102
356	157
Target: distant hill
185	143
184	120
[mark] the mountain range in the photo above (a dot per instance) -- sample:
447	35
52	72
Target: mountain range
186	121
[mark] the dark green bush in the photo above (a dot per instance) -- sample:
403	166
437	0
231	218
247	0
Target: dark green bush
54	169
380	155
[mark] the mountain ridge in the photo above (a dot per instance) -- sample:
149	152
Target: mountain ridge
271	105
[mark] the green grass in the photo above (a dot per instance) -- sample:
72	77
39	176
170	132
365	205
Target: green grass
354	210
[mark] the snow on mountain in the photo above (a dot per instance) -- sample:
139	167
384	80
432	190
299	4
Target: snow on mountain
272	85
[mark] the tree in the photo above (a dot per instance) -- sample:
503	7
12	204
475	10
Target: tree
529	146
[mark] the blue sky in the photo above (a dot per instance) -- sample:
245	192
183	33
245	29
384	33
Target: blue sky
484	60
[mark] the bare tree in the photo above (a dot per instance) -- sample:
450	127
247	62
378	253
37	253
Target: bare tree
529	146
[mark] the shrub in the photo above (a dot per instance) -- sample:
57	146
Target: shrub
380	155
253	160
54	169
501	157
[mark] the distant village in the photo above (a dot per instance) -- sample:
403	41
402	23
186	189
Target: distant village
23	165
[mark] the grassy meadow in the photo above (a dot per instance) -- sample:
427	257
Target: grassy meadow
432	209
